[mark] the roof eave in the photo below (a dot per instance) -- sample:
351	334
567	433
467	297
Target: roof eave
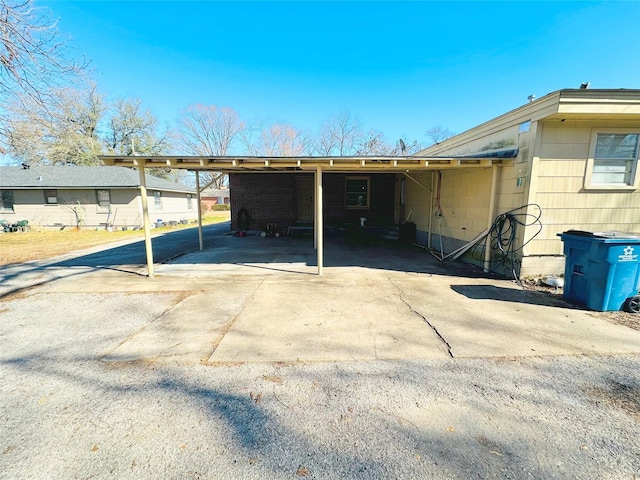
232	164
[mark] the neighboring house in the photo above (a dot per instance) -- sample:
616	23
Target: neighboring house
214	196
90	197
577	159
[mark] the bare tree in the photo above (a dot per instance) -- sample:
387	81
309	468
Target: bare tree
438	134
374	143
341	134
209	130
274	140
64	131
32	55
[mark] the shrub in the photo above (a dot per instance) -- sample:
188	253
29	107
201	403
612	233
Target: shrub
220	207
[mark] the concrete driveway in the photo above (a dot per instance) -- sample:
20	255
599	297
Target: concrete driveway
258	300
245	365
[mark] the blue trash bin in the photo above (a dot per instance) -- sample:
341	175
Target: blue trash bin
602	269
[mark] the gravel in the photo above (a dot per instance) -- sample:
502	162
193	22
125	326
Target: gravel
66	414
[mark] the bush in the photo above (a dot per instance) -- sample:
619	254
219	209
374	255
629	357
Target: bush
220	207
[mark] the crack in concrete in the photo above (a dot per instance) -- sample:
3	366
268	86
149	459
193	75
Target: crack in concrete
375	345
435	330
228	326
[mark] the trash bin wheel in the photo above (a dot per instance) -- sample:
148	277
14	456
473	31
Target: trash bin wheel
632	305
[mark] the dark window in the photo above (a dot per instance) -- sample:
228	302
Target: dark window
51	197
7	200
357	192
104	201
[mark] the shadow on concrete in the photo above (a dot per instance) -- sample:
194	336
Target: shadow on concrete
129	258
531	297
298	255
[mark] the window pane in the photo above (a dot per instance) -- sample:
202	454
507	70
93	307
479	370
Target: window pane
356	200
610	172
356	186
51	196
7	200
104	198
617	145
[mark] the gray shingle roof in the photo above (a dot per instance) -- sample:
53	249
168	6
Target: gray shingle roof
215	192
82	177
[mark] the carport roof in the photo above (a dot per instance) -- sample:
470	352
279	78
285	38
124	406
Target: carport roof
329	163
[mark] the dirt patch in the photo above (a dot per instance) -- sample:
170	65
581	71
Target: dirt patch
620	395
631	320
553	297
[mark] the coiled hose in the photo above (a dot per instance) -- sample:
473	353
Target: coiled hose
502	233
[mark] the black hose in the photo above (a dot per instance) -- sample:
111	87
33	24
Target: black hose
502	233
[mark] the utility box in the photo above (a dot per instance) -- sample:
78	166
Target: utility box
602	269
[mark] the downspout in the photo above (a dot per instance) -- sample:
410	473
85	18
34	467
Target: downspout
492	206
145	219
199	209
320	232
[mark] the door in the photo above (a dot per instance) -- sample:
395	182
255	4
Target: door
304	198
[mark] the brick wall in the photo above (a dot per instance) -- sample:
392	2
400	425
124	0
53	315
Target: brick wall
381	200
267	197
271	197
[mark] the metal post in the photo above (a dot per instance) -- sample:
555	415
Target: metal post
492	203
315	212
145	218
319	226
433	181
199	209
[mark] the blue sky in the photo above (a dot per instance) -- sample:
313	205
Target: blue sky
400	67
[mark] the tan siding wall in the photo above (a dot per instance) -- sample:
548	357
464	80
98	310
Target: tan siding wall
174	207
464	203
418	200
559	189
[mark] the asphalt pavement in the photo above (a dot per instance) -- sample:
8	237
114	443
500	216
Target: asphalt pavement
239	362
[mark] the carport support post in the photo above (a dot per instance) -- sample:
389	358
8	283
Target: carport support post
199	209
145	219
492	206
319	226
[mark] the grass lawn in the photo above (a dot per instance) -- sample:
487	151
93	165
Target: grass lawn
18	247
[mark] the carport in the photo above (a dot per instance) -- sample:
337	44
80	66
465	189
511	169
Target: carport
405	165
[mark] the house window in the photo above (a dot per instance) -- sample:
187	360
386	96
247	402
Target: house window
157	200
189	201
614	159
357	192
51	197
7	200
104	201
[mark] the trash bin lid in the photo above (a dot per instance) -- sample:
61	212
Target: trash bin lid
612	234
